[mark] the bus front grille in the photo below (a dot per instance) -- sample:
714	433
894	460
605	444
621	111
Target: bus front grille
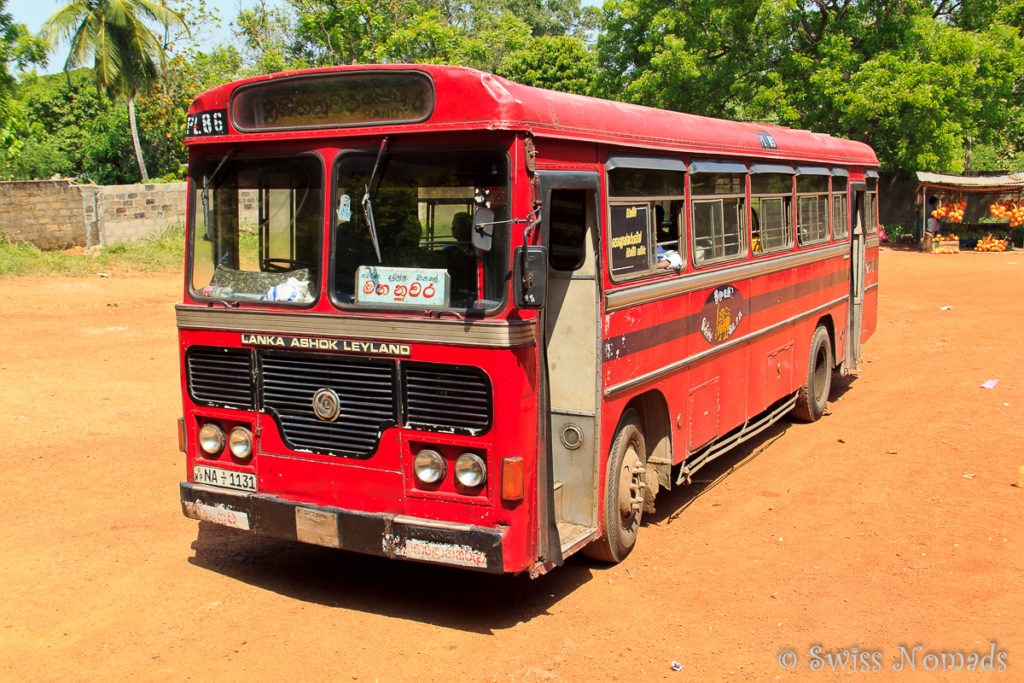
446	398
367	401
433	397
220	377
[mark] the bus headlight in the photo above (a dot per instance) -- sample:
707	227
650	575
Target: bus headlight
240	443
470	470
429	466
211	438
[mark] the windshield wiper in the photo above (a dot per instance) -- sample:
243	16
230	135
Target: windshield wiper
207	181
368	203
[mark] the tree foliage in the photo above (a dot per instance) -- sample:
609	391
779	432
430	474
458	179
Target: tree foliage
921	82
555	62
67	128
18	49
480	34
930	84
126	56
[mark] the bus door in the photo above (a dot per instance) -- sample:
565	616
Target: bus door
571	343
858	265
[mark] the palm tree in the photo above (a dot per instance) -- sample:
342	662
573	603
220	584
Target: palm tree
127	58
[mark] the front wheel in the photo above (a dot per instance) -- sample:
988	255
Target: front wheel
623	493
813	396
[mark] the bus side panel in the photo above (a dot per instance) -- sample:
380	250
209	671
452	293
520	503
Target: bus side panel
718	386
822	292
644	339
870	291
771	355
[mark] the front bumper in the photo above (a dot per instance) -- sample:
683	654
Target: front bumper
384	535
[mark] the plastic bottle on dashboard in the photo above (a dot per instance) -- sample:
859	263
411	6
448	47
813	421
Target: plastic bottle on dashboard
222	292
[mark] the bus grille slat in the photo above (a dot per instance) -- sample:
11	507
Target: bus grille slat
366	390
444	398
220	377
435	397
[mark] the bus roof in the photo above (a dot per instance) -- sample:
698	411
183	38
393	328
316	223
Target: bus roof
468	99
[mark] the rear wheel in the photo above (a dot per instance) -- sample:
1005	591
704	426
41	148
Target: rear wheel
813	396
623	493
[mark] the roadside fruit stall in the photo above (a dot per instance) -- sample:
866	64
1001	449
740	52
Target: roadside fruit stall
978	213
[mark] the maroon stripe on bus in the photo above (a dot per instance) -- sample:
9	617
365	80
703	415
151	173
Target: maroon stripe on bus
618	346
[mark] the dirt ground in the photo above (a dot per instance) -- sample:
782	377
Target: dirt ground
891	523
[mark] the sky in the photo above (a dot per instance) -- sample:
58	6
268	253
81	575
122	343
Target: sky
33	13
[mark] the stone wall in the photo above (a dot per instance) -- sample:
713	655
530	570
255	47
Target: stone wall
52	214
128	212
56	214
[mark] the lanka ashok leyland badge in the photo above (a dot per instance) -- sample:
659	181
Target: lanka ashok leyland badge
326	405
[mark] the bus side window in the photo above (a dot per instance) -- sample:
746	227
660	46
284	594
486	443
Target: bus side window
871	205
670	251
568	229
645	218
771	197
840	216
719	218
812	208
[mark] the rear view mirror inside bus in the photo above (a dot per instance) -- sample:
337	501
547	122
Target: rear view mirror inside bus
483	228
530	277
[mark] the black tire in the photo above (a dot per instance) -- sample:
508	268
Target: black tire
812	398
623	493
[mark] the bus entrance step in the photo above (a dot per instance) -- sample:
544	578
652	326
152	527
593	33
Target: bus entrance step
574	536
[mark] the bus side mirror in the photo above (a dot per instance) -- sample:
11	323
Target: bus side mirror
483	228
530	277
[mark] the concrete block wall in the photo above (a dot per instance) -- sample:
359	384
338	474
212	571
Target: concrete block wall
129	212
48	213
57	214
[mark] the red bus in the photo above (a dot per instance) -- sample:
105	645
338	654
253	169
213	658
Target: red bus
435	315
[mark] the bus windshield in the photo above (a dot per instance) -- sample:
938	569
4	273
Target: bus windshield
420	208
258	229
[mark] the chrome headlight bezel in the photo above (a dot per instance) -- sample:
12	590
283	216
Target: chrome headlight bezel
470	470
212	439
240	442
429	466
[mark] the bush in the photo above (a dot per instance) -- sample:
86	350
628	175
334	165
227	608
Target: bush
895	231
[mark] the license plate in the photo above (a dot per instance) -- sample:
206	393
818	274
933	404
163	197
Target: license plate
214	476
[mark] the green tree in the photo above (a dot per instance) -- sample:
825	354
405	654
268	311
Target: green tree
127	57
480	34
18	49
162	111
267	35
555	62
61	117
922	82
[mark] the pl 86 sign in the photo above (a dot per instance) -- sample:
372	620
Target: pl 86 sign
210	122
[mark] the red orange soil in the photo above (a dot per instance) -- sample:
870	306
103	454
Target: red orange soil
892	521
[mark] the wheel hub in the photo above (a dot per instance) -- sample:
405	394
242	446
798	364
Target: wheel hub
631	485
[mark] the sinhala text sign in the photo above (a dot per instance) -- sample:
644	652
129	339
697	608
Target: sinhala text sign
402	286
